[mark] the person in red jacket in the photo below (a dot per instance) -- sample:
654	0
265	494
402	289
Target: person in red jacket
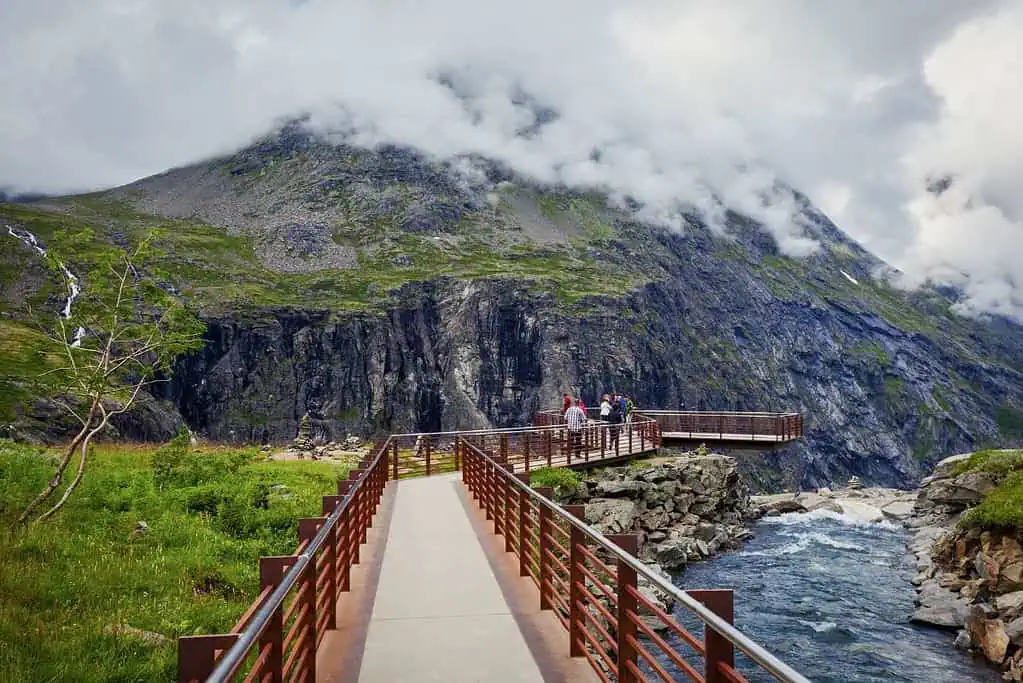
566	403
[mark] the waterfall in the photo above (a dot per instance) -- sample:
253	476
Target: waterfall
74	289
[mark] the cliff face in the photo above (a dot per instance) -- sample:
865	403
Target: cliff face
379	291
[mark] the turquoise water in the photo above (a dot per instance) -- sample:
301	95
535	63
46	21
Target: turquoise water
833	598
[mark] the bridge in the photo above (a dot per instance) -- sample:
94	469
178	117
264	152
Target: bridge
729	429
437	561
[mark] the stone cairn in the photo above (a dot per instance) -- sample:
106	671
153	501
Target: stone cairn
304	440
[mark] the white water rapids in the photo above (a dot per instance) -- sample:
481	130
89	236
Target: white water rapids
74	289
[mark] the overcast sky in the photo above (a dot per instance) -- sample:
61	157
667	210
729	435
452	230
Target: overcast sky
862	104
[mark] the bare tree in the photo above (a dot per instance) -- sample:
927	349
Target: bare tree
121	335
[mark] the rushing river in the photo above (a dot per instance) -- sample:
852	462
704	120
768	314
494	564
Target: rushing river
832	598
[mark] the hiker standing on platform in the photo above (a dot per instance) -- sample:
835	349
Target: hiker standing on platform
605	407
629	405
615	418
566	403
575	419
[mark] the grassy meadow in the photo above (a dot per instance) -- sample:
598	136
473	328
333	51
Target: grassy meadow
70	585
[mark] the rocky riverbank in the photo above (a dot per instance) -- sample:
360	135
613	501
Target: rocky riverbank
683	509
970	579
865	505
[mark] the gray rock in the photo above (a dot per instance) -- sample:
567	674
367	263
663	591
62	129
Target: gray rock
1014	630
962	641
947	615
611	516
621	488
900	509
1010	605
147	637
672	554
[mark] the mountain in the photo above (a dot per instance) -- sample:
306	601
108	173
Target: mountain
382	291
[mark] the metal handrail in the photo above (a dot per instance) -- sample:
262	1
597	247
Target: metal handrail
507	430
715	412
234	658
777	668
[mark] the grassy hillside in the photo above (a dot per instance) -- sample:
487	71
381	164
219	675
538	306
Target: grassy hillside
68	587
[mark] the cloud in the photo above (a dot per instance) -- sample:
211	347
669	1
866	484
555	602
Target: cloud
677	104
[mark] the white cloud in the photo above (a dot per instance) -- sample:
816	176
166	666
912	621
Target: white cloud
856	103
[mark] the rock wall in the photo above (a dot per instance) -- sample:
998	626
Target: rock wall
457	354
970	579
684	510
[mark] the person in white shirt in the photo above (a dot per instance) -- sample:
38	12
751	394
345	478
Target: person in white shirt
575	420
605	408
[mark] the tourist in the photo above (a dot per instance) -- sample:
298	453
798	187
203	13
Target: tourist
566	403
615	418
605	407
575	419
582	406
629	406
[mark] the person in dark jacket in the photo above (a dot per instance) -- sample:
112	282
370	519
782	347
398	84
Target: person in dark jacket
615	418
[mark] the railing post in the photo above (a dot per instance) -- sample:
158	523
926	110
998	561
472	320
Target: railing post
488	489
344	537
458	456
523	516
718	648
504	447
543	563
271	571
626	603
603	441
307	529
394	455
509	491
575	582
548	438
427	447
525	448
198	654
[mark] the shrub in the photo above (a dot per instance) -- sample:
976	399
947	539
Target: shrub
561	479
1003	507
999	462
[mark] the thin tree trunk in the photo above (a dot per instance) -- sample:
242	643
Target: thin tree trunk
58	475
78	475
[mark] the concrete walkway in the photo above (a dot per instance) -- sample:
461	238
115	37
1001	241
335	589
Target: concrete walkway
439	613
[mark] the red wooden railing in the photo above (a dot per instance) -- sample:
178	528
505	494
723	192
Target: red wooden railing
278	636
591	583
725	426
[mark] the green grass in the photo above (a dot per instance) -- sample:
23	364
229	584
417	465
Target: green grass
873	353
1002	508
997	461
222	272
211	515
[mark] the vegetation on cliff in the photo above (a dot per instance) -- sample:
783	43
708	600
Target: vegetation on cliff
1002	508
157	544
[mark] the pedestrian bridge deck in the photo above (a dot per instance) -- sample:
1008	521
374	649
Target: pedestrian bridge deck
440	612
404	580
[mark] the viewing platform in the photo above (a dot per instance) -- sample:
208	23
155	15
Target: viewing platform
436	561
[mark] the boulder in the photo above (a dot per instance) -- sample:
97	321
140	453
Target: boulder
962	491
962	641
611	516
988	635
615	489
1014	631
900	509
862	512
672	553
1010	605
